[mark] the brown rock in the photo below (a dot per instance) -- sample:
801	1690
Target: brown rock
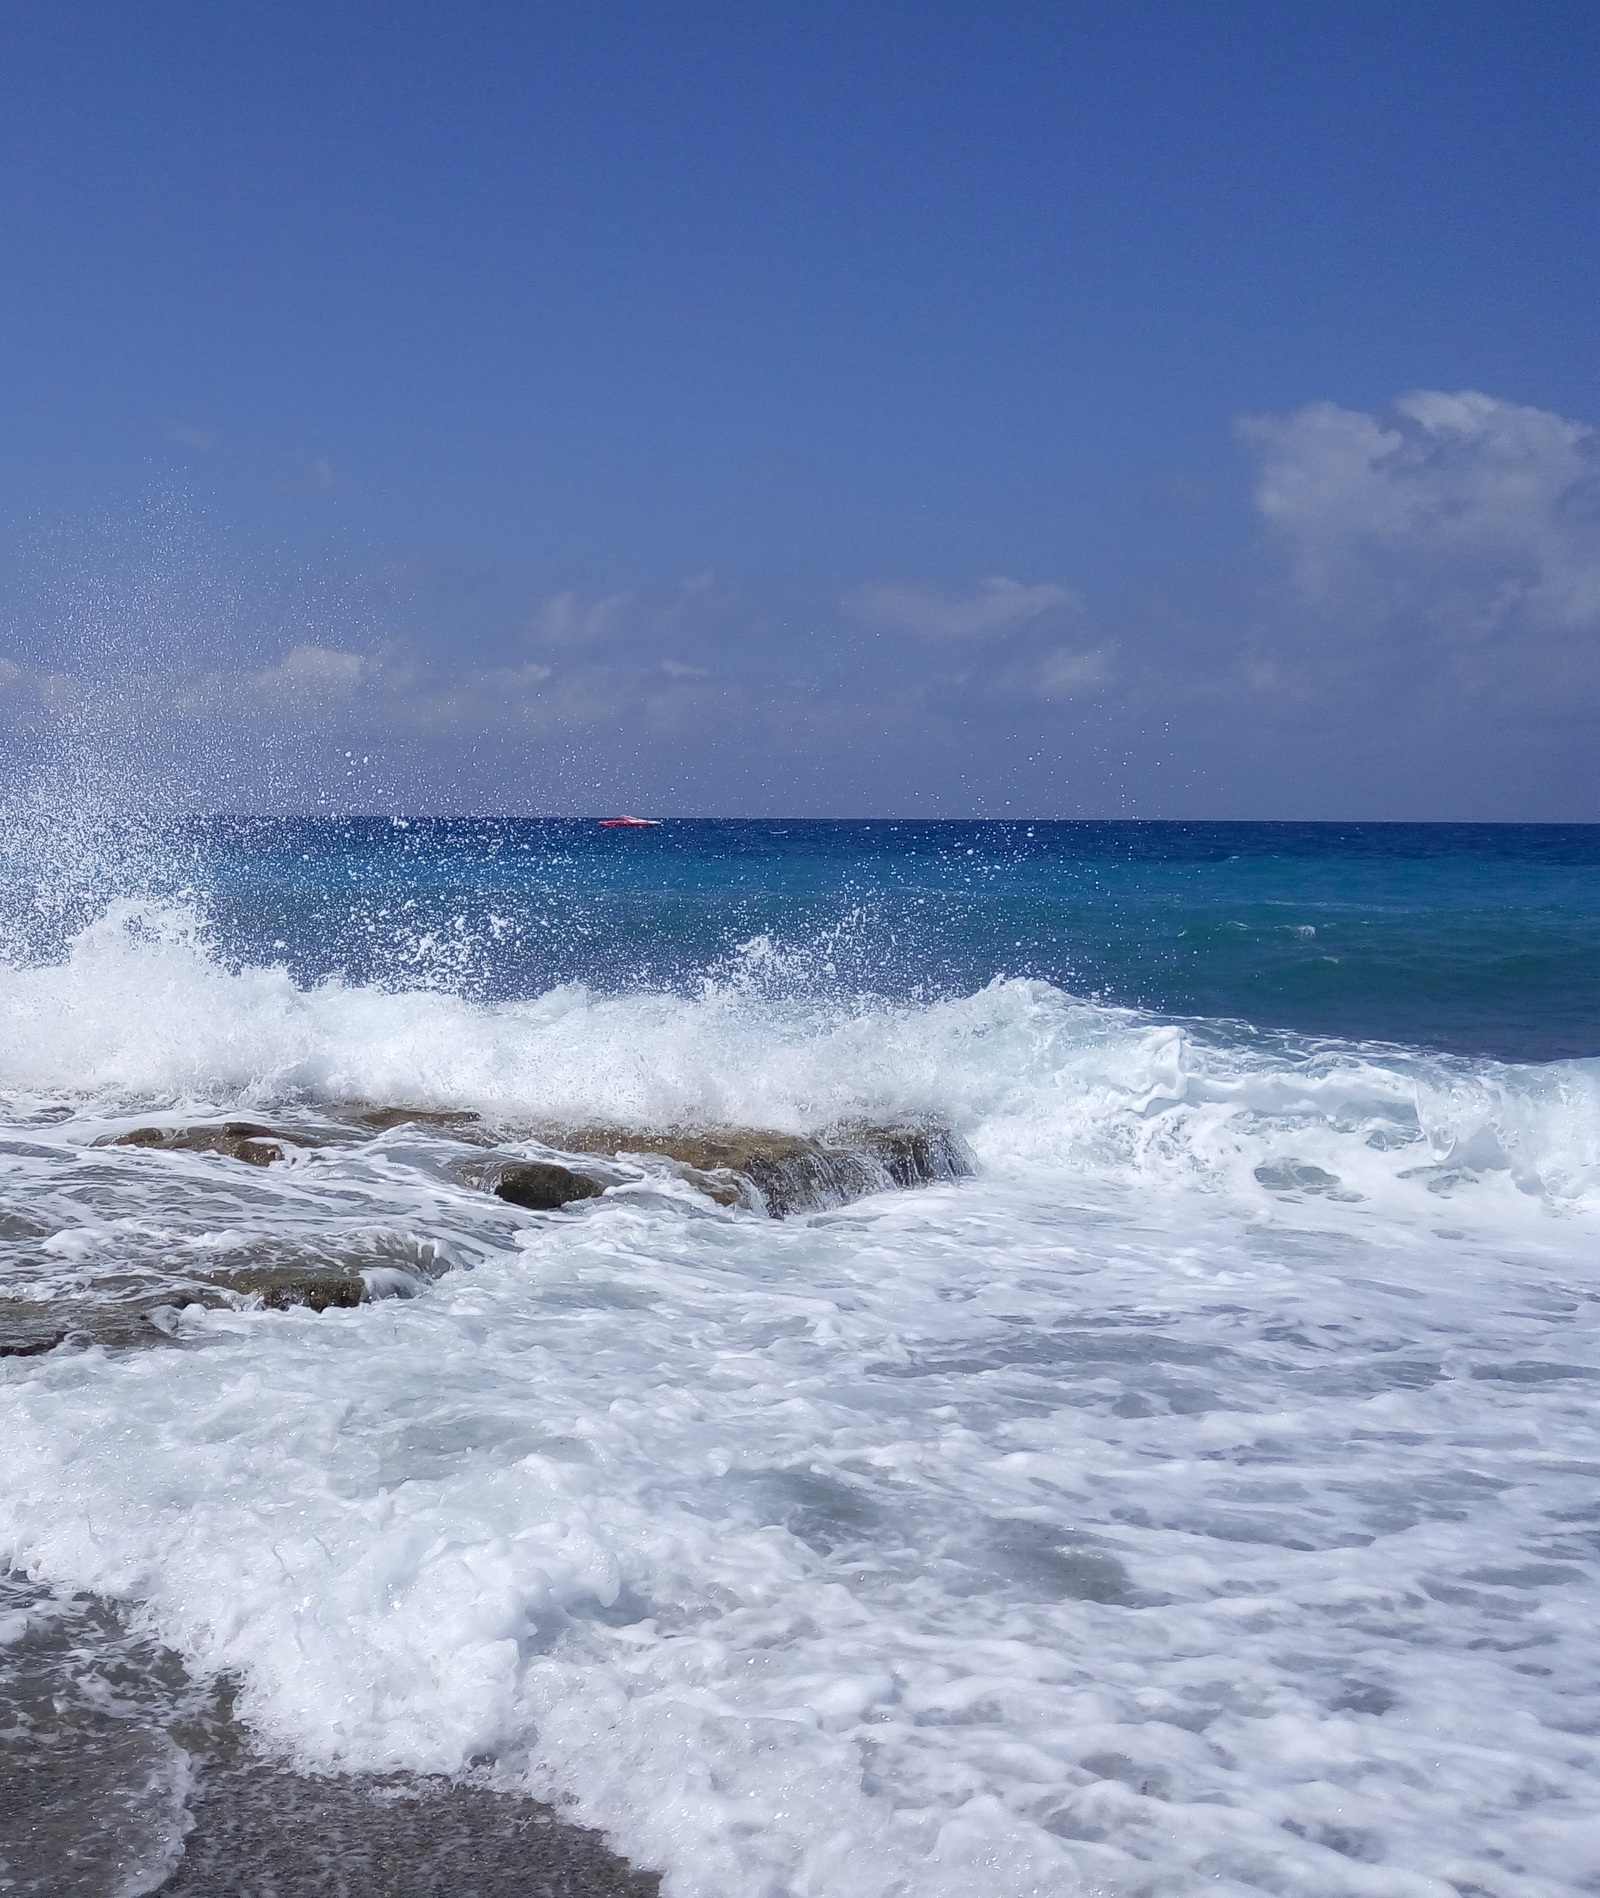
280	1286
780	1173
238	1139
542	1185
446	1120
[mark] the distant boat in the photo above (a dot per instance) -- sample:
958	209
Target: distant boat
625	822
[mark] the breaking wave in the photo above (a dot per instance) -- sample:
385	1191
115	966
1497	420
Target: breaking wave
1094	1523
142	1015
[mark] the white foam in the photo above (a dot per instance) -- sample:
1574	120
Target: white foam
140	1014
1202	1495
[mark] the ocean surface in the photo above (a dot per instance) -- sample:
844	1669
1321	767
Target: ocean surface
1202	1492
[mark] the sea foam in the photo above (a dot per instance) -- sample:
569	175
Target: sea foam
1201	1493
142	1014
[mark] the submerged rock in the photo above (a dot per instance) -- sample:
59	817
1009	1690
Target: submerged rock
142	1314
759	1168
280	1286
238	1139
30	1342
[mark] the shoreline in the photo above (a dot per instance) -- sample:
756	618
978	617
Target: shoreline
121	1773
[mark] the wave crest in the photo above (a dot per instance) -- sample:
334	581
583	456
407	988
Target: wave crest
142	1013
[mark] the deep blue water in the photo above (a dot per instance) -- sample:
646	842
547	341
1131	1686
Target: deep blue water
1475	939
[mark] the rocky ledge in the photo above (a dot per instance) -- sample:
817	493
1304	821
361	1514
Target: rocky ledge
773	1173
762	1170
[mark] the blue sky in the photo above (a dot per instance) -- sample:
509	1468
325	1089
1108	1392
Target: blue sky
1150	409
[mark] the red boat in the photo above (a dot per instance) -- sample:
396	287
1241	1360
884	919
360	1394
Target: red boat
626	822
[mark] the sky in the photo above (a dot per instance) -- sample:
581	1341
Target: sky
1150	409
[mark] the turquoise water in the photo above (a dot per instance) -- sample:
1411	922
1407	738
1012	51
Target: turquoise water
1475	939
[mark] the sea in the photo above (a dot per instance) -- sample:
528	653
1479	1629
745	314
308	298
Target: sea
1195	1489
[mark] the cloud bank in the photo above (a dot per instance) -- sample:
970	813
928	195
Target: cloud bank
1411	628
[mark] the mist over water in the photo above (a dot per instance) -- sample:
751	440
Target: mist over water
1202	1490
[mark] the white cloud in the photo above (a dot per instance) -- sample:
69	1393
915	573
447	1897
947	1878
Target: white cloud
1065	674
307	671
482	699
1463	479
1457	527
396	690
998	606
567	619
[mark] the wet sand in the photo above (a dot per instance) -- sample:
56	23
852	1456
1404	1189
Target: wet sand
268	1833
123	1777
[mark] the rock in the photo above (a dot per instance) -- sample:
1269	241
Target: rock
150	1314
443	1120
140	1137
238	1139
911	1153
30	1344
780	1173
280	1286
254	1152
542	1185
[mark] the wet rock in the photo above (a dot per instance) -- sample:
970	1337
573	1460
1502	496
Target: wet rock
116	1323
1293	1177
458	1121
543	1185
140	1315
30	1343
120	1321
912	1153
280	1286
15	1225
238	1139
778	1173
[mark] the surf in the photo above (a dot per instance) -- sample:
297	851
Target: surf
1099	1513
